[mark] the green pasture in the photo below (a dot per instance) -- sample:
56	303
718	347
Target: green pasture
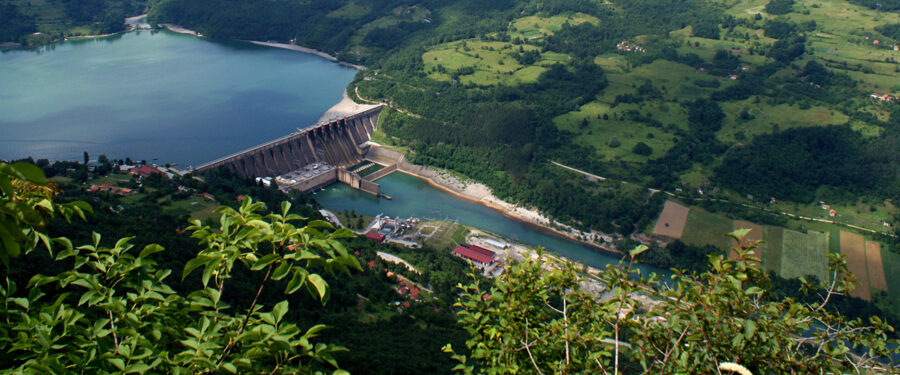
804	254
536	27
771	258
674	80
492	61
891	262
766	116
599	132
744	8
351	10
705	228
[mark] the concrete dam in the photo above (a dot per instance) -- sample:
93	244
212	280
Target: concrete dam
310	158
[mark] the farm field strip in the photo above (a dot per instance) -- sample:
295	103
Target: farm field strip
672	220
853	247
875	266
804	254
771	258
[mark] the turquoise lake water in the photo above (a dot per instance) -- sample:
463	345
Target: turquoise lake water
158	95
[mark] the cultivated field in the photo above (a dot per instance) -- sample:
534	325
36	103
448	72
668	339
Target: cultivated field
875	266
704	228
853	246
672	220
771	258
804	254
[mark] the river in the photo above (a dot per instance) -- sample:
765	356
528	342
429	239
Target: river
158	95
415	197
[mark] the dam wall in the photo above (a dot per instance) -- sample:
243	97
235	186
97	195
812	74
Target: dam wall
336	143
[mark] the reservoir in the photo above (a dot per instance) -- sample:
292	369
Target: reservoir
415	197
158	95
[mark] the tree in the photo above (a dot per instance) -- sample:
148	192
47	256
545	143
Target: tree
539	317
111	311
641	148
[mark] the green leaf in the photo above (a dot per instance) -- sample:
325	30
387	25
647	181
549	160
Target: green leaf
319	284
30	172
749	329
281	271
295	283
279	310
264	261
738	234
228	366
118	362
638	250
150	249
192	265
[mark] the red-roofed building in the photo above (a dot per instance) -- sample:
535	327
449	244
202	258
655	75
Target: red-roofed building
375	236
479	249
414	293
474	256
144	171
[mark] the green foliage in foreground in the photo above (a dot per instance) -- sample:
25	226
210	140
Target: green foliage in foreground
111	311
541	319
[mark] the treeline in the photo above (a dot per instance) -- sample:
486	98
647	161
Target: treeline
797	162
888	5
14	24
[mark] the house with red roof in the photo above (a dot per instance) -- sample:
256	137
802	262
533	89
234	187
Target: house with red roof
474	256
145	170
481	250
375	236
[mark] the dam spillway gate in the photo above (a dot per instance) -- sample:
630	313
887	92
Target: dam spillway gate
310	158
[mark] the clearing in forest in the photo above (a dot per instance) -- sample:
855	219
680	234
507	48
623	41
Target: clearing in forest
756	234
672	220
875	266
853	246
804	254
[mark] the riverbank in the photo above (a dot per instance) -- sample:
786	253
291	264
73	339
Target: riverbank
180	30
481	194
294	47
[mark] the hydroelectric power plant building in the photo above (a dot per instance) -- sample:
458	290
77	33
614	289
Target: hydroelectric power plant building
314	157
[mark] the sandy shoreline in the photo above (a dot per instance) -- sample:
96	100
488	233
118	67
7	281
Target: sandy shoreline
180	30
344	108
294	47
